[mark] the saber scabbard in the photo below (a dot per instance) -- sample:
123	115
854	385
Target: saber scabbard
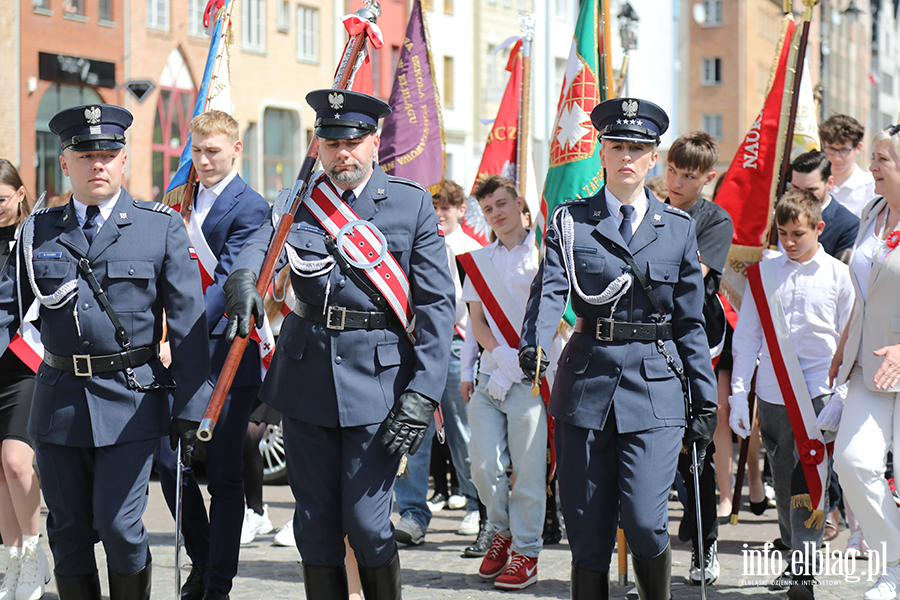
536	384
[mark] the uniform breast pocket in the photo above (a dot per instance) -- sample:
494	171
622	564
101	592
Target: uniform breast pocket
664	276
51	274
131	284
308	243
589	267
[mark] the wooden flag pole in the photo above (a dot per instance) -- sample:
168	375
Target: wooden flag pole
526	22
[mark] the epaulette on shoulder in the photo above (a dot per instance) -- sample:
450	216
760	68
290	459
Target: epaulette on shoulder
409	182
48	210
568	203
676	211
154	206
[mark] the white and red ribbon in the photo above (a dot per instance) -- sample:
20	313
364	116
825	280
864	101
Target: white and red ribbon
791	382
505	312
26	343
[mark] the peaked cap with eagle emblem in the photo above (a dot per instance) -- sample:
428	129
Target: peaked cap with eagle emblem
345	115
91	127
630	119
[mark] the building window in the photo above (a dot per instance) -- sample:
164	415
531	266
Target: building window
284	16
561	8
158	14
279	150
375	57
713	13
712	71
250	157
73	8
105	11
195	11
253	30
447	95
887	83
428	4
307	34
448	7
41	5
712	124
174	109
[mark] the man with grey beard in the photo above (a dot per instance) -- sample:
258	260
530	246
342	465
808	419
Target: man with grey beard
362	361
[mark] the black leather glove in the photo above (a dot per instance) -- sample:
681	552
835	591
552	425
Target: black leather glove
701	429
241	302
528	362
407	423
186	431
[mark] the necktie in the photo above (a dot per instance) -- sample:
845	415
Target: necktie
91	226
348	197
625	226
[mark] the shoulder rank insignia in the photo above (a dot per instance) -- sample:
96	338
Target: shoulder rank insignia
657	218
155	207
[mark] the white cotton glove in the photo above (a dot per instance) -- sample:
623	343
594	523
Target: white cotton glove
498	385
739	419
829	418
508	362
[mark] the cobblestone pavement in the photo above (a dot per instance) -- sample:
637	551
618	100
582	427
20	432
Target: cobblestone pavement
436	569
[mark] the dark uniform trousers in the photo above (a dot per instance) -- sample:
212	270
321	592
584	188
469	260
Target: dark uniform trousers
335	388
619	407
216	539
95	435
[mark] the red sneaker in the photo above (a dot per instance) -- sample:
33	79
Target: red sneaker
496	558
521	572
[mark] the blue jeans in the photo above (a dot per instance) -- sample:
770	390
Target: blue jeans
512	431
411	493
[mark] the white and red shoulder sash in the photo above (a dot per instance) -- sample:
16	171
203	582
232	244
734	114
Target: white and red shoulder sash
792	383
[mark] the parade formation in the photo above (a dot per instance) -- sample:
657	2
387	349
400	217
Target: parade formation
574	368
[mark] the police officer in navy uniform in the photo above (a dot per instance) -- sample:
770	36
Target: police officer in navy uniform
104	267
354	391
618	400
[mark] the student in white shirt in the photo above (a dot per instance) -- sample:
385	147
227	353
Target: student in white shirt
842	138
509	425
817	296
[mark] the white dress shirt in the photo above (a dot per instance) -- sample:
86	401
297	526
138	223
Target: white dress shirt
817	297
105	210
206	197
641	206
459	242
856	192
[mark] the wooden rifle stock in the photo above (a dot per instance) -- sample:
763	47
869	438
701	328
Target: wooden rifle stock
233	360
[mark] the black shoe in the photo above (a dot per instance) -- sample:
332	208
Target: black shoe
779	545
382	583
131	587
325	583
552	533
194	585
758	508
803	588
684	530
214	594
653	576
589	585
84	587
482	542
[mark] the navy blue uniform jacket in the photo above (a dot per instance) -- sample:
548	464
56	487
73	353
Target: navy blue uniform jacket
232	219
351	378
633	376
142	260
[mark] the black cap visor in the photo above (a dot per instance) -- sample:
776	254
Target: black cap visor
94	141
342	132
630	133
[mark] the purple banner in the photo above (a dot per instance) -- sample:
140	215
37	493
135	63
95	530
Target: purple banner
412	136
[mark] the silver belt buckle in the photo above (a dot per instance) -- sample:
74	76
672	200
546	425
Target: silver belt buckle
87	360
600	337
329	324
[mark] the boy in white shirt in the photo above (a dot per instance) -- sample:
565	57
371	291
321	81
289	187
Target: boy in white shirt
816	295
509	425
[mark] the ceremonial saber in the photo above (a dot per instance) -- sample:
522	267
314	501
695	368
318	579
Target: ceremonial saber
370	12
536	384
179	482
695	470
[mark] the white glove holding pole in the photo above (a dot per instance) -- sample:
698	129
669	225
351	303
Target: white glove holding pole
508	363
498	385
739	418
829	418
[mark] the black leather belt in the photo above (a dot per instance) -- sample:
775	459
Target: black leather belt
339	318
607	330
85	365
